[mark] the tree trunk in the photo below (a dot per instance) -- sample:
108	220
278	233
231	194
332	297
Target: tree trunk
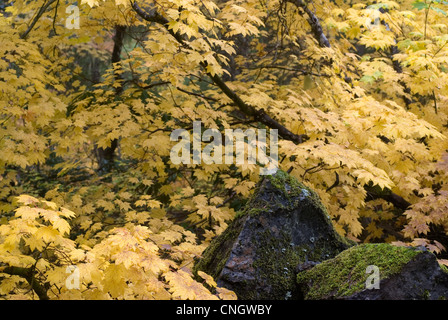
106	156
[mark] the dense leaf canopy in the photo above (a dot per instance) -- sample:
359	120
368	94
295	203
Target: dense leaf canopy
90	94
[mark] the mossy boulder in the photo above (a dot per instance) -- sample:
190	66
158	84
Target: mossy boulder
403	273
283	226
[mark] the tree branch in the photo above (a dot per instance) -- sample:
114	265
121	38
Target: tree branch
36	18
260	115
300	71
28	274
197	95
335	184
314	23
375	192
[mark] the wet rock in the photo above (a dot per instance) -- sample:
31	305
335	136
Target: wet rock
395	273
283	228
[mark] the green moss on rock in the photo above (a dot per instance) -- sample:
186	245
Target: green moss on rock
277	259
285	192
345	274
444	268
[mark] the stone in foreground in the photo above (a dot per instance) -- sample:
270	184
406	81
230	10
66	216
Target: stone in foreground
404	274
283	228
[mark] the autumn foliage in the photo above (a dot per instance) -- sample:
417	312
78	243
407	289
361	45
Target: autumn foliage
358	91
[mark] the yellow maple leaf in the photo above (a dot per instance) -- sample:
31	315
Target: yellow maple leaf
62	226
226	294
35	243
27	213
46	233
27	200
127	258
67	213
113	281
91	3
208	279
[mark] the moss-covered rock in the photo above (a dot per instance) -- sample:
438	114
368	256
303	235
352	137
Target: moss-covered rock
283	226
404	273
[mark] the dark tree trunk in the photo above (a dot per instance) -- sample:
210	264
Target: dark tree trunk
106	156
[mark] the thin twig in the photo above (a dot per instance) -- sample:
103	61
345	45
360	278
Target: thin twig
36	18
